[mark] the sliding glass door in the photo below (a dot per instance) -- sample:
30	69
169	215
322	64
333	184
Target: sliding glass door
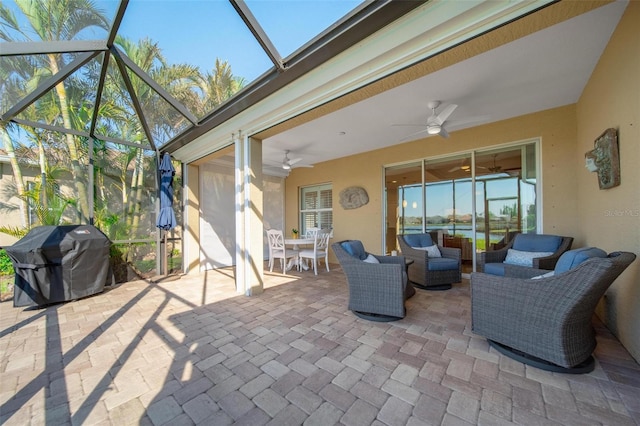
475	201
448	198
404	204
505	196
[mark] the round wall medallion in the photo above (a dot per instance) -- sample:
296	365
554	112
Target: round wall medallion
353	197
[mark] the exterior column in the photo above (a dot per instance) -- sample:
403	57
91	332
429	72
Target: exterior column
191	217
249	226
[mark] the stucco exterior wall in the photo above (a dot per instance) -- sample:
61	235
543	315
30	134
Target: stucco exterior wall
9	204
610	218
555	128
572	202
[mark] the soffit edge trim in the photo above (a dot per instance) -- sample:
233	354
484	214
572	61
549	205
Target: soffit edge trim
345	73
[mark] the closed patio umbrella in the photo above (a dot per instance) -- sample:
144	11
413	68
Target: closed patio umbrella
166	216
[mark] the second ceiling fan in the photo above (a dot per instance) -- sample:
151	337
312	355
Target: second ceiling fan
289	163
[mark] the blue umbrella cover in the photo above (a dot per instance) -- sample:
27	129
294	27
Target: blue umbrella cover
166	216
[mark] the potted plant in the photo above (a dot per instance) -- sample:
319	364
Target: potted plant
294	231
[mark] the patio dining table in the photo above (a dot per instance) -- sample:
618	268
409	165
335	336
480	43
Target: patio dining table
296	243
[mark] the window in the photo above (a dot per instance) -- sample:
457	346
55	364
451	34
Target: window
316	207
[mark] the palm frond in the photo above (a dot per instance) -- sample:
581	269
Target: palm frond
14	231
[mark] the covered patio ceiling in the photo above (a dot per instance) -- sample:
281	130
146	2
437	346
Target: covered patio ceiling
546	69
342	96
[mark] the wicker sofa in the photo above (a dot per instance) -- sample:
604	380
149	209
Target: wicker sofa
426	272
540	251
546	322
377	290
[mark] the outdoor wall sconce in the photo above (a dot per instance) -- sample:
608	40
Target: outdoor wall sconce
605	159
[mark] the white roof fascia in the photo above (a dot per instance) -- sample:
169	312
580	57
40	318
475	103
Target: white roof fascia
424	32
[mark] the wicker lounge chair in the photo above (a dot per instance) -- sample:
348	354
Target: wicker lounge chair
546	322
377	291
431	273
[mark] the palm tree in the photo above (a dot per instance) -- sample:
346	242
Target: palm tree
16	76
56	21
17	172
218	86
179	80
65	105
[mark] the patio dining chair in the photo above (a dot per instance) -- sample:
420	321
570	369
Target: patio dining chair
311	232
278	250
319	250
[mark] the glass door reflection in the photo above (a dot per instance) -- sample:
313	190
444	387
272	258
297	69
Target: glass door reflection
474	201
404	205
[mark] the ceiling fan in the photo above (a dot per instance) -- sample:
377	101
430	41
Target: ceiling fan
290	163
435	122
465	166
498	169
495	169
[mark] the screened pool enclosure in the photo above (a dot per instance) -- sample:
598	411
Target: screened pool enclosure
94	92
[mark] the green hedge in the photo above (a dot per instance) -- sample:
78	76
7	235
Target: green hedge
6	267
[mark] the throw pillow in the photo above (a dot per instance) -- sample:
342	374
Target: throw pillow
524	258
371	259
548	274
355	249
432	251
573	258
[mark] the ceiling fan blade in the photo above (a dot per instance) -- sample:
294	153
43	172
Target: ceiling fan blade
302	165
414	134
470	120
294	161
445	113
443	133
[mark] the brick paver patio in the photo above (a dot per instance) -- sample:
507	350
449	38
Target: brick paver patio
192	351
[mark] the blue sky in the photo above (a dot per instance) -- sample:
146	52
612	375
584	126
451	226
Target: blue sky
199	31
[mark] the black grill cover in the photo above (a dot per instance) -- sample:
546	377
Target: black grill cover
59	263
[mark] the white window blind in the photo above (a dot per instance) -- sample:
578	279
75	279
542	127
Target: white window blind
316	207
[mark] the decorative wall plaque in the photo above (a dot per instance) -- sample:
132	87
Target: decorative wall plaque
605	159
353	197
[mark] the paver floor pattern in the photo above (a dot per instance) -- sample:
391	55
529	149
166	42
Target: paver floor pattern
193	351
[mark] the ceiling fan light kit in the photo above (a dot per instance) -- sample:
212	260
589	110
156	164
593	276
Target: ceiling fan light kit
435	122
434	129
